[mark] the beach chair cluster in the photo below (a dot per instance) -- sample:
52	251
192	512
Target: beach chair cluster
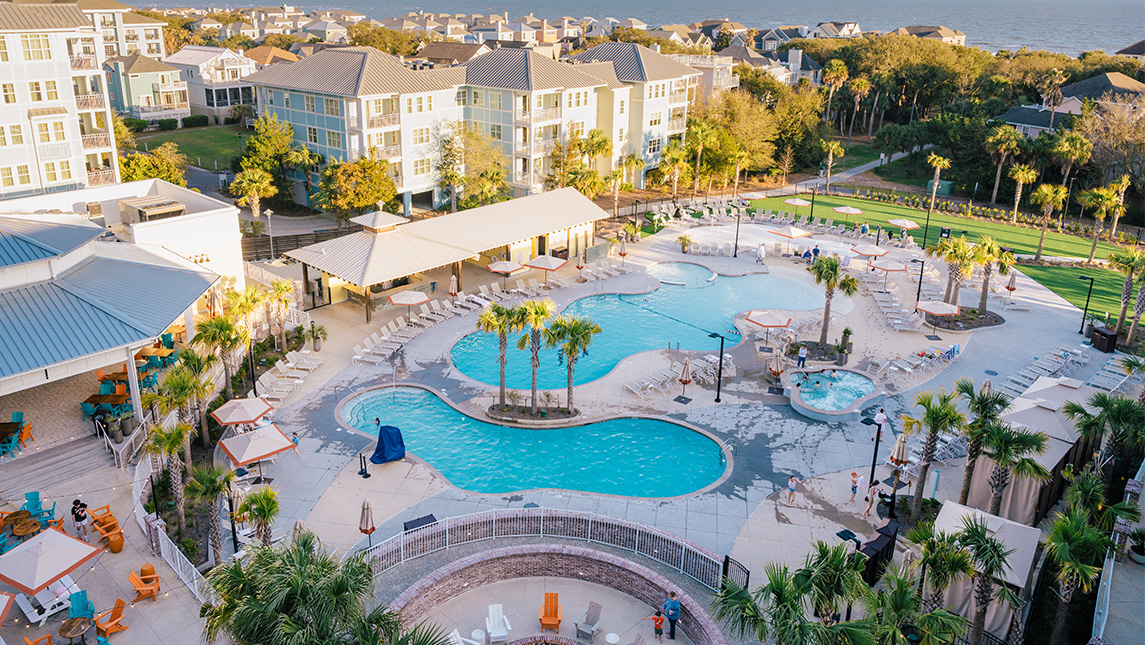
950	446
286	376
383	343
926	363
1060	362
704	372
1113	377
602	269
890	299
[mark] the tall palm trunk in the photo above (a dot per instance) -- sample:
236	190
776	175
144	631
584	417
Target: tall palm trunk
502	359
204	433
570	364
871	126
1113	225
999	481
1126	295
987	273
851	129
928	449
828	295
983	593
215	527
1017	198
997	181
696	173
228	375
830	97
1042	239
262	532
973	451
175	466
535	362
1065	595
1093	248
1138	309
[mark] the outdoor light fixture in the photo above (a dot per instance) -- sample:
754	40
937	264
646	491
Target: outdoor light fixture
720	369
1085	313
921	267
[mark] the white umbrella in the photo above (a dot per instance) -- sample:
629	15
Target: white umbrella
409	299
790	233
6	601
453	285
937	308
43	559
685	375
240	411
752	195
904	224
768	320
900	456
888	266
847	210
795	201
504	267
366	521
256	445
546	263
869	251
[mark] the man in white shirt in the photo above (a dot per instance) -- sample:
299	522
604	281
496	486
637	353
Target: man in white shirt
880	421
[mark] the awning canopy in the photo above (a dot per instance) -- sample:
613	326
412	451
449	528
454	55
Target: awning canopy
1019	537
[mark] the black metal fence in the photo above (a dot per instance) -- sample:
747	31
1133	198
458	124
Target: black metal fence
736	572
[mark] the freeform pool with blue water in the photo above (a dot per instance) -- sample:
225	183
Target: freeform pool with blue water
690	303
632	457
832	393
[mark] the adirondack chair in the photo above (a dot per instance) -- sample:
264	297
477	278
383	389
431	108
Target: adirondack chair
114	617
589	622
550	613
639	640
497	625
144	585
81	607
43	640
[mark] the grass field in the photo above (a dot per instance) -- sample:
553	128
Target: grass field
859	154
906	171
1064	282
203	146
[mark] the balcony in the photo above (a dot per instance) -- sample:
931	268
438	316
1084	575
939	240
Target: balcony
164	107
94	141
388	152
177	86
103	177
538	115
677	125
83	62
544	146
89	101
678	96
382	121
727	82
131	37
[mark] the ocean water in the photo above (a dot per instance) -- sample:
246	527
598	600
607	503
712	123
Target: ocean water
1069	26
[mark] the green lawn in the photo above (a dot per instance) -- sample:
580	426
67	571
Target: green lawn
907	172
859	154
1064	282
203	146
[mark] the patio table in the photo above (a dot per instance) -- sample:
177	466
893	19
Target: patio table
16	517
9	428
161	352
107	399
25	528
73	628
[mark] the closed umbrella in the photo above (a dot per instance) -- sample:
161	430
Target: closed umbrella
685	375
1012	285
453	285
237	497
504	267
777	364
768	320
299	529
366	521
43	559
240	411
579	261
546	263
409	299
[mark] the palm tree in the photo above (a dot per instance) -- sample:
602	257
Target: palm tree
253	185
617	181
985	406
208	484
940	415
836	578
834	75
738	158
1072	149
673	161
1102	201
1002	142
244	303
1129	261
939	163
860	88
633	163
777	612
896	615
1010	449
1077	549
1138	309
304	160
1050	197
1087	493
991	255
1115	420
1051	89
165	443
596	144
303	593
959	256
280	296
828	272
989	555
175	393
261	506
942	558
703	135
588	181
1134	365
573	335
222	337
1022	174
501	320
833	150
201	389
1118	186
534	315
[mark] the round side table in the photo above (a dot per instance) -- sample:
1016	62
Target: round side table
73	628
612	639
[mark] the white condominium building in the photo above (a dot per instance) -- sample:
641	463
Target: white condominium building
124	31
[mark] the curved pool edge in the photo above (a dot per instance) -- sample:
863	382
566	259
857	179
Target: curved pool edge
729	460
852	412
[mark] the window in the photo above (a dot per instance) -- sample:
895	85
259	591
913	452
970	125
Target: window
420	136
6	177
58	131
576	129
620	134
495	130
16	135
419	104
3	139
36	47
286	99
65	170
495	100
333	139
151	34
409	106
622	107
269	97
310	104
333	107
22	174
311	134
654	146
4	59
477	97
429	104
9	92
45	133
35	90
50	172
657	118
462	96
421	167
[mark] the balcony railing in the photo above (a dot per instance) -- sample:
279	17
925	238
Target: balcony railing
700	60
100	177
678	96
538	115
89	101
131	37
164	107
382	121
727	82
544	146
169	87
83	62
98	140
389	152
677	125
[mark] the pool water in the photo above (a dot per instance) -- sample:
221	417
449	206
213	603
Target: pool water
673	314
632	457
824	392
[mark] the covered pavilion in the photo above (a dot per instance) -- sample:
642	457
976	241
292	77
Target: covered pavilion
391	249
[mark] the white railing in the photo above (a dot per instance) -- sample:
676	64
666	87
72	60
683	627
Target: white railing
89	101
666	549
1105	587
538	114
677	125
99	140
700	59
382	120
83	62
163	107
100	177
297	318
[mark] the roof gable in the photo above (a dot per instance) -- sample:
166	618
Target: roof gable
635	63
28	240
350	71
1094	88
524	70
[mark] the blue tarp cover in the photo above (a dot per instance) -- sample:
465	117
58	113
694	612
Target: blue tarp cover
390	445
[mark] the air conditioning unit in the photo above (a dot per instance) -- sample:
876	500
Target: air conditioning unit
94	210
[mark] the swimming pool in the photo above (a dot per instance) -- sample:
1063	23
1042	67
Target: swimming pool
826	392
690	303
633	457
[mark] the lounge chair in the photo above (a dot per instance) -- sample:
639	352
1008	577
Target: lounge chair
288	371
550	613
113	624
426	313
500	292
455	638
497	625
638	640
441	311
361	355
145	585
528	292
589	622
298	358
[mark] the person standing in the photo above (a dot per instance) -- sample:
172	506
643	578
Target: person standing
854	486
672	611
880	423
802	361
80	518
792	482
872	495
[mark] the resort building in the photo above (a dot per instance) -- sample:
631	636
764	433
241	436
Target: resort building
144	88
450	53
771	39
939	32
265	56
124	31
836	30
1136	50
56	115
1111	90
742	55
214	77
716	72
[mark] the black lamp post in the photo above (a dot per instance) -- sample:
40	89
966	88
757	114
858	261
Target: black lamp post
250	358
878	440
635	212
926	229
921	267
234	527
1085	313
735	251
812	215
720	369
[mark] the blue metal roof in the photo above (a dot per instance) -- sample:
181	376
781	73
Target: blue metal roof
27	240
97	305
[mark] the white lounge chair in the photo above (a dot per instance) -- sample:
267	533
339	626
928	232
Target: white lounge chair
362	356
439	310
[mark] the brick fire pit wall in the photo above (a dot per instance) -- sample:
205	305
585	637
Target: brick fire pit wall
550	560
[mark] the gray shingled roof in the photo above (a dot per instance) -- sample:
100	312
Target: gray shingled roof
25	17
1094	88
1030	116
350	71
635	63
1136	49
27	240
524	70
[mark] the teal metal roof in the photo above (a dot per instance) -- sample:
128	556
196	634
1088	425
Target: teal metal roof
98	305
28	240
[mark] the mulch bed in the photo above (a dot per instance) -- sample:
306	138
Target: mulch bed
815	352
966	320
525	413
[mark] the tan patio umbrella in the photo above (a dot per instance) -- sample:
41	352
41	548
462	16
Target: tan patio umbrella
685	375
256	445
408	299
869	251
504	267
790	233
848	211
43	559
900	457
888	266
237	497
366	522
936	308
6	602
546	263
623	250
796	202
777	364
239	411
904	224
768	320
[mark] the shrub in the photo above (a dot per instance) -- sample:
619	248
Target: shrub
230	120
168	124
196	121
135	125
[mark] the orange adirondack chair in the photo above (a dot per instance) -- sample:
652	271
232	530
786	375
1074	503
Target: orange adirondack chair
145	585
112	624
43	640
26	435
550	613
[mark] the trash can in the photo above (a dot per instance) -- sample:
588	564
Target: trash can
1105	340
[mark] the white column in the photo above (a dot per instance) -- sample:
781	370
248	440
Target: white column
189	323
133	386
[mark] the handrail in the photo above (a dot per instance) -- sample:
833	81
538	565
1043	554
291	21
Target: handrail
352	391
728	445
1105	587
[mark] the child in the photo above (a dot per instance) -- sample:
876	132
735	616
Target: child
791	482
294	440
657	625
872	497
854	486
